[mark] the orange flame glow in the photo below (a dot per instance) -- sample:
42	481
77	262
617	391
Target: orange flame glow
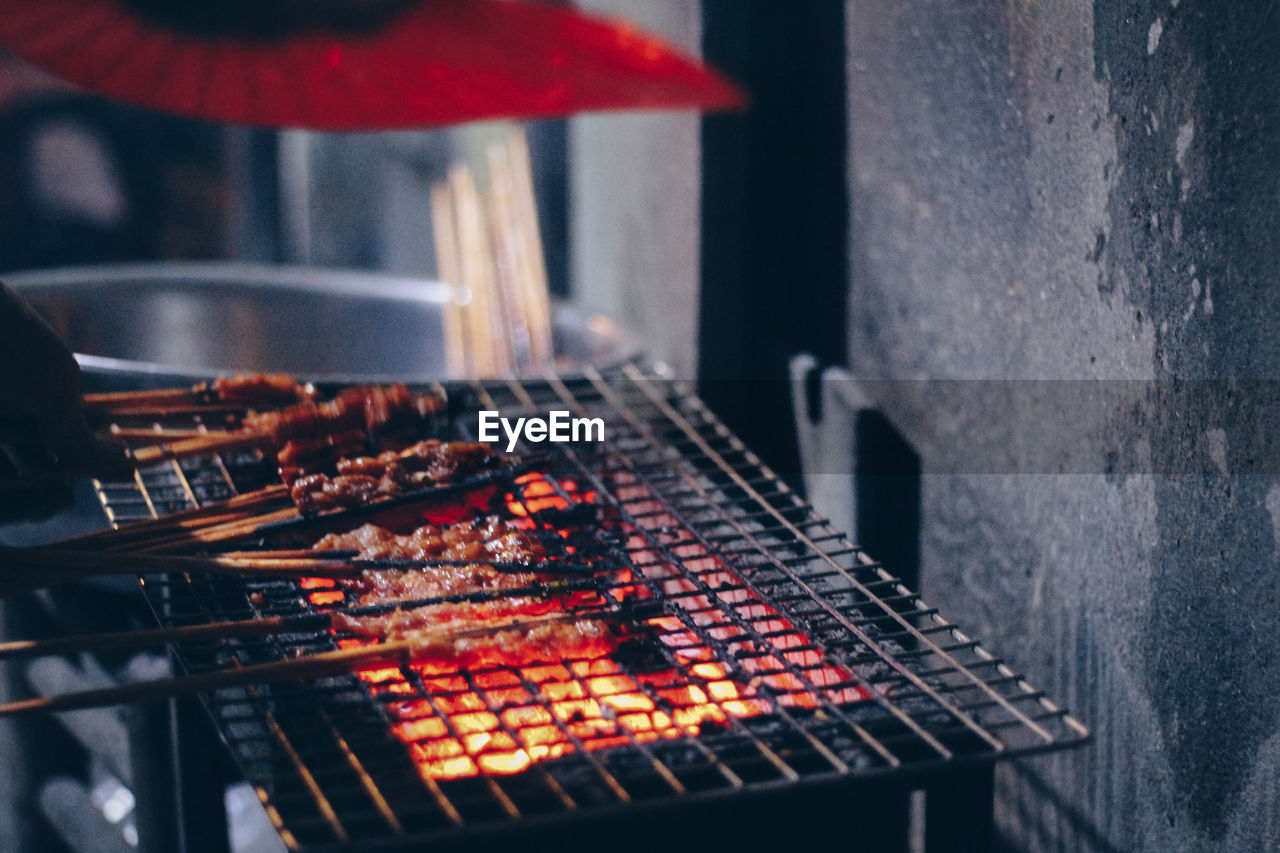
503	720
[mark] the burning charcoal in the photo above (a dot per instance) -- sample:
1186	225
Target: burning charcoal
639	653
711	726
578	515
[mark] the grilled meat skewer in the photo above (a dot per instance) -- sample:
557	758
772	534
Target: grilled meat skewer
370	410
362	479
485	540
256	389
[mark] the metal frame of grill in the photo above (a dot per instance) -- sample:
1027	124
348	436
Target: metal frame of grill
859	680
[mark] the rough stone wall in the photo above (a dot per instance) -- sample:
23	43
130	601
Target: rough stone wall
1066	189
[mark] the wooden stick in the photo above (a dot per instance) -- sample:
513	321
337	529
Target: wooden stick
309	666
239	506
112	399
493	356
162	412
284	553
200	445
323	561
445	234
259	626
505	240
533	262
157	435
152	637
241	391
317	665
258	524
228	531
315	565
29	569
204	526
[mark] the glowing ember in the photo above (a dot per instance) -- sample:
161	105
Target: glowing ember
501	720
538	494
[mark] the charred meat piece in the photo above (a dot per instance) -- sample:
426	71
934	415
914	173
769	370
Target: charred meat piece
488	538
430	462
372	409
260	389
479	638
309	455
483	539
518	645
312	493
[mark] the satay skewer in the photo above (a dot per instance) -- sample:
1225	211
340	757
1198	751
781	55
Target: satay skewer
458	357
273	522
232	629
532	259
365	408
242	516
241	528
428	645
244	505
35	568
201	445
244	390
158	435
24	570
158	396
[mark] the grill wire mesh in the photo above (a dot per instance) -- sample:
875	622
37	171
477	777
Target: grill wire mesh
781	654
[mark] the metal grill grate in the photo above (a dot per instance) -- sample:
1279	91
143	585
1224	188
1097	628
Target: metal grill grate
783	654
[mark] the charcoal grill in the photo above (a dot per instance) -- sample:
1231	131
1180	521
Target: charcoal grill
784	660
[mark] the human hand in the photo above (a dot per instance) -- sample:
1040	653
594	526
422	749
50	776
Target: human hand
45	442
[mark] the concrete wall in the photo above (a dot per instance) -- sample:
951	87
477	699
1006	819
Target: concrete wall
1091	190
634	195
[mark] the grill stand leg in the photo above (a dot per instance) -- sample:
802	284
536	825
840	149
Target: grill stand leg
201	780
886	822
151	756
959	813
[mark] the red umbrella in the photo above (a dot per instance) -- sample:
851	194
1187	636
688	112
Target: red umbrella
415	64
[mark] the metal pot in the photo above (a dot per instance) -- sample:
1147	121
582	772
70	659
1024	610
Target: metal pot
138	323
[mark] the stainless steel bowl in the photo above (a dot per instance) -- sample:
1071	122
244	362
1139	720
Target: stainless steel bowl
193	319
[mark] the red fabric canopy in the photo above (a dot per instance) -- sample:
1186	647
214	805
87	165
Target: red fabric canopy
438	62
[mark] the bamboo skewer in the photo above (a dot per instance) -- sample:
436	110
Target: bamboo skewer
30	569
159	396
260	626
58	566
506	246
445	234
205	443
156	435
245	502
145	638
533	263
250	392
488	248
242	516
317	565
338	661
487	327
165	411
265	435
224	532
241	506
